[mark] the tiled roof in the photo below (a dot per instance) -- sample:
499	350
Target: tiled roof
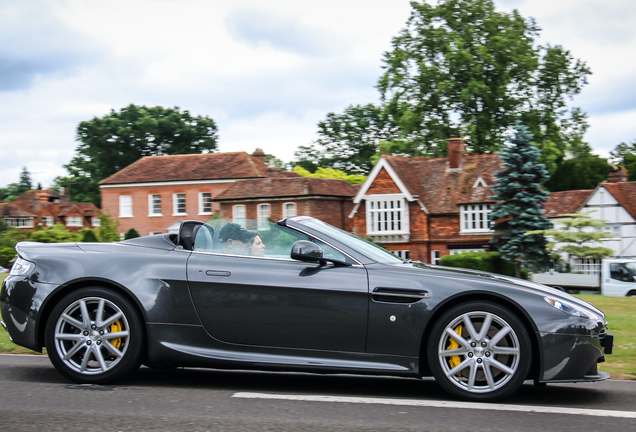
209	166
565	202
65	209
10	209
287	187
625	194
442	190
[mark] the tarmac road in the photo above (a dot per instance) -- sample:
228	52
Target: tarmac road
34	397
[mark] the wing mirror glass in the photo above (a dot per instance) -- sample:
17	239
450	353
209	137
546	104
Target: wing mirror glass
304	250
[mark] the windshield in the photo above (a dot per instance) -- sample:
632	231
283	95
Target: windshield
360	245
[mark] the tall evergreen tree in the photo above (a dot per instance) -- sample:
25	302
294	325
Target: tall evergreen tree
25	181
520	198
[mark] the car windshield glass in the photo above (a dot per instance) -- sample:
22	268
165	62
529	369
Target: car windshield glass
248	237
360	245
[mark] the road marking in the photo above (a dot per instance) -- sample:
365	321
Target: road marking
439	404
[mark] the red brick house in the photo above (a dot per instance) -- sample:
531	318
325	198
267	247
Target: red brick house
46	208
426	208
156	192
329	200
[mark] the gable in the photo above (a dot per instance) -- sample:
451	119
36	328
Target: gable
383	184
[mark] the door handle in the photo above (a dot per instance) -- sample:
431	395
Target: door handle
218	273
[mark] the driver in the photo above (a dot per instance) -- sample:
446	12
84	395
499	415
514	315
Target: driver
236	240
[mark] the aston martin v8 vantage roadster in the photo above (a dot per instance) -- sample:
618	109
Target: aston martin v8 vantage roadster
296	295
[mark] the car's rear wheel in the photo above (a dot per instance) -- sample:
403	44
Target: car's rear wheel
94	335
479	352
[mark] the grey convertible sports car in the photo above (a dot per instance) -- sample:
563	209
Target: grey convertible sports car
296	295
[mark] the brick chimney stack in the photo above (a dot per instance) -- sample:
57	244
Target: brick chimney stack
617	174
456	149
259	155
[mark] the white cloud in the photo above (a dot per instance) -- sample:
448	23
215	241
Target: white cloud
266	72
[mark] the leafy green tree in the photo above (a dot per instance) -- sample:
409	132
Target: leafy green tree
331	173
107	231
520	203
116	140
625	155
88	236
7	254
55	234
131	233
584	172
348	141
25	181
462	58
575	235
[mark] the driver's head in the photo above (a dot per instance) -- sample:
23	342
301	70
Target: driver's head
235	239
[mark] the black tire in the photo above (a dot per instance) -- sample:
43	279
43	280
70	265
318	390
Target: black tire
84	347
479	366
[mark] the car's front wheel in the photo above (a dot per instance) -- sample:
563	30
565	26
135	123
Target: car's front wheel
479	351
94	335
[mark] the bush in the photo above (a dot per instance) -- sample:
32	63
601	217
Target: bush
88	236
131	233
484	261
55	234
6	256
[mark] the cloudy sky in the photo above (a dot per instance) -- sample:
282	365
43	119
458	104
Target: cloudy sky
265	71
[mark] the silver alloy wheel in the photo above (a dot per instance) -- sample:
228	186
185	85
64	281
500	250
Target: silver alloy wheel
479	352
91	335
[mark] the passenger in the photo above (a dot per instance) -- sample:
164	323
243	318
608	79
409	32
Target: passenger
235	239
256	246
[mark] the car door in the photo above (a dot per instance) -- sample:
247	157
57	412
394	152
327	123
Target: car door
279	302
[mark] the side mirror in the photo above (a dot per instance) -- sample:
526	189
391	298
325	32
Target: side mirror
304	250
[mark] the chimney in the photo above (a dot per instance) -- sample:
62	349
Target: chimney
456	148
617	174
259	155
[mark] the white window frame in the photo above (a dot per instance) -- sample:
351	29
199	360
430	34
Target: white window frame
95	221
175	204
474	218
125	206
436	257
402	254
202	203
586	266
238	213
48	220
263	213
387	214
290	209
152	210
19	222
461	251
74	221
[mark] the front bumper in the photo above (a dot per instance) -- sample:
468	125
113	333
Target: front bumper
574	358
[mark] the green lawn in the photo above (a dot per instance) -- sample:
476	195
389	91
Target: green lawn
620	312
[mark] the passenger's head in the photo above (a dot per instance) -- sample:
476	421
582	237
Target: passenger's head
236	239
256	247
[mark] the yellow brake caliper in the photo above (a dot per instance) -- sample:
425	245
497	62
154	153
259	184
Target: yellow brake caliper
455	360
116	327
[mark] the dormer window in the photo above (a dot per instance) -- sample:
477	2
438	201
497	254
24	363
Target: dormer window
474	218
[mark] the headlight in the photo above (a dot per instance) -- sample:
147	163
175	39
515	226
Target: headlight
571	309
21	267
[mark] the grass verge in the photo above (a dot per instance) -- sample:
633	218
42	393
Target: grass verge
620	314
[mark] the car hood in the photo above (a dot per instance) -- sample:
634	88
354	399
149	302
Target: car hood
512	282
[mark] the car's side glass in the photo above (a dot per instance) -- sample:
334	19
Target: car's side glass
277	239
